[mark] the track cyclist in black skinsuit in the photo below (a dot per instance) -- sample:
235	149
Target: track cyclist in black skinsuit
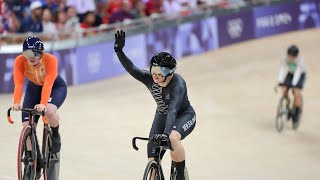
174	117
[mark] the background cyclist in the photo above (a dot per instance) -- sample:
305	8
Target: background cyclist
292	75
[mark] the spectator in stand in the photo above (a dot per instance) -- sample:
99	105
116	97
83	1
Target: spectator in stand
113	6
52	5
171	7
154	7
33	22
187	6
124	14
1	6
101	5
19	7
88	22
139	9
82	7
72	23
60	21
9	23
48	26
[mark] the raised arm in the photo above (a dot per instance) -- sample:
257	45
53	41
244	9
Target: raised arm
140	75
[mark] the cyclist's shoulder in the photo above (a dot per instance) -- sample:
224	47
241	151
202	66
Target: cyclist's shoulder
49	58
20	59
178	81
178	78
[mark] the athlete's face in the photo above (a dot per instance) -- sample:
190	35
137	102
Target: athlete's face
32	57
291	58
33	61
158	74
158	78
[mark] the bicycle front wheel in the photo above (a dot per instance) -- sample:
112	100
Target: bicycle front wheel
152	172
281	114
27	158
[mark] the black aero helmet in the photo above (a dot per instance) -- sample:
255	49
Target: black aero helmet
293	50
165	60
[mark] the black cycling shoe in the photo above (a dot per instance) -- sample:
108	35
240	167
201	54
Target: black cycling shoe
56	143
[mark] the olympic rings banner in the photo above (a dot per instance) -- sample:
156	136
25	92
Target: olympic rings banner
90	63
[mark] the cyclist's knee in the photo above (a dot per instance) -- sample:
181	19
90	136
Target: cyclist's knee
24	124
175	137
51	111
284	90
296	92
150	158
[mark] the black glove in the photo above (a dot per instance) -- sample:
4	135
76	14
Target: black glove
120	38
159	137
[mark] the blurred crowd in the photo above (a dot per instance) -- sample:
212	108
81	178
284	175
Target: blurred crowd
67	16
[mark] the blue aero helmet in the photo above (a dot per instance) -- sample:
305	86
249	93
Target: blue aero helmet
33	47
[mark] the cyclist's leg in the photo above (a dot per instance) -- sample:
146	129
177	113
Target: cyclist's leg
284	90
297	103
58	95
185	124
31	98
286	84
158	127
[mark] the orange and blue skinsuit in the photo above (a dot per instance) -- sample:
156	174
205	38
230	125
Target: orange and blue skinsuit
45	85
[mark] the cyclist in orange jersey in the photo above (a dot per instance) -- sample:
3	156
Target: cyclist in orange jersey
46	90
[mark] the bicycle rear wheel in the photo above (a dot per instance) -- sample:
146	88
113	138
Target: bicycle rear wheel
152	170
27	159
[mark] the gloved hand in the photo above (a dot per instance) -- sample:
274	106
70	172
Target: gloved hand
40	107
119	43
16	107
159	137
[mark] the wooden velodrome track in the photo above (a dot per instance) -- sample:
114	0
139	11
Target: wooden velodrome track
232	92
